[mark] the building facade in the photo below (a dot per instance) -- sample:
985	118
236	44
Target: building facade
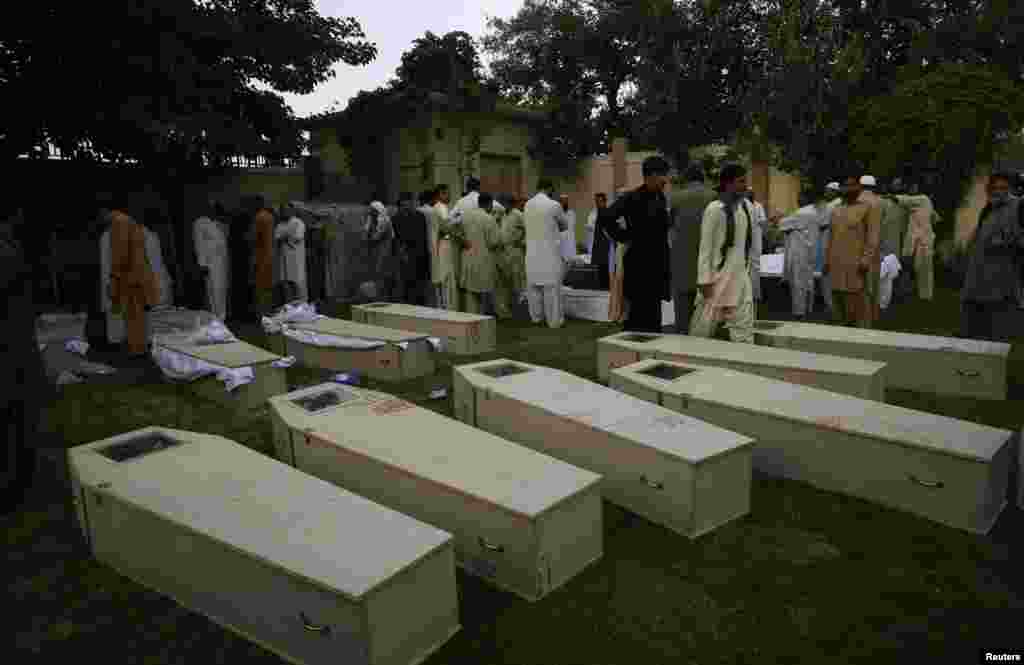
424	147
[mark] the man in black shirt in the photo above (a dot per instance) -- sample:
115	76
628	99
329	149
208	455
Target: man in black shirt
646	260
413	246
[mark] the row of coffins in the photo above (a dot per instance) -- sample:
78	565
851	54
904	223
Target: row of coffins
344	548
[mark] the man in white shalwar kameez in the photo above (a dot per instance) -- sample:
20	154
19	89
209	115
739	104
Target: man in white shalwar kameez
446	269
291	239
210	234
723	263
545	268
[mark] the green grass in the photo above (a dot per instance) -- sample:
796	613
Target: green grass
808	576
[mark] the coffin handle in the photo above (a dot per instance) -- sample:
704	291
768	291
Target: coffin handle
490	547
930	484
653	484
311	627
969	373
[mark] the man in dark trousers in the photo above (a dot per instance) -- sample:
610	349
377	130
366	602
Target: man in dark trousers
687	210
646	260
995	253
413	247
24	389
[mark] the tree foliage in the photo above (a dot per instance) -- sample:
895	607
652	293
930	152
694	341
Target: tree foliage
948	120
775	78
544	58
166	83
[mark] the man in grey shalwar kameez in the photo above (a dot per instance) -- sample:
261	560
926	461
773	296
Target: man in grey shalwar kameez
994	256
802	232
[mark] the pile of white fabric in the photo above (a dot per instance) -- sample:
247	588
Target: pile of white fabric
180	367
290	313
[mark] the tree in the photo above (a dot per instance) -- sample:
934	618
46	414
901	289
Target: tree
571	59
168	85
696	62
153	81
950	120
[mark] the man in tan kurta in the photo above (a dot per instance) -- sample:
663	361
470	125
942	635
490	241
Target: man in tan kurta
870	195
851	254
263	259
483	240
133	285
511	274
919	241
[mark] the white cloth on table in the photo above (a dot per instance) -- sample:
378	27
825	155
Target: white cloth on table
890	270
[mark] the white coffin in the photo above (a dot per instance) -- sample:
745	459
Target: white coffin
465	334
673	470
590	305
850	376
403	355
947	470
943	365
269	380
524	521
311	572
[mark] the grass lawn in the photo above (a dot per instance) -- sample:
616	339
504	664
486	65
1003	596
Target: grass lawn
808	576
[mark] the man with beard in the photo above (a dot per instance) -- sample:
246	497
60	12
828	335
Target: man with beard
994	257
851	255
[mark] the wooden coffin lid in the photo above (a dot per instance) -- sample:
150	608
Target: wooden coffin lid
699	347
268	510
883	338
419	312
441	450
231	355
822	408
563	394
343	328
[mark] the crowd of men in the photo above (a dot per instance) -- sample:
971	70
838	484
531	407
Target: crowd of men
854	243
